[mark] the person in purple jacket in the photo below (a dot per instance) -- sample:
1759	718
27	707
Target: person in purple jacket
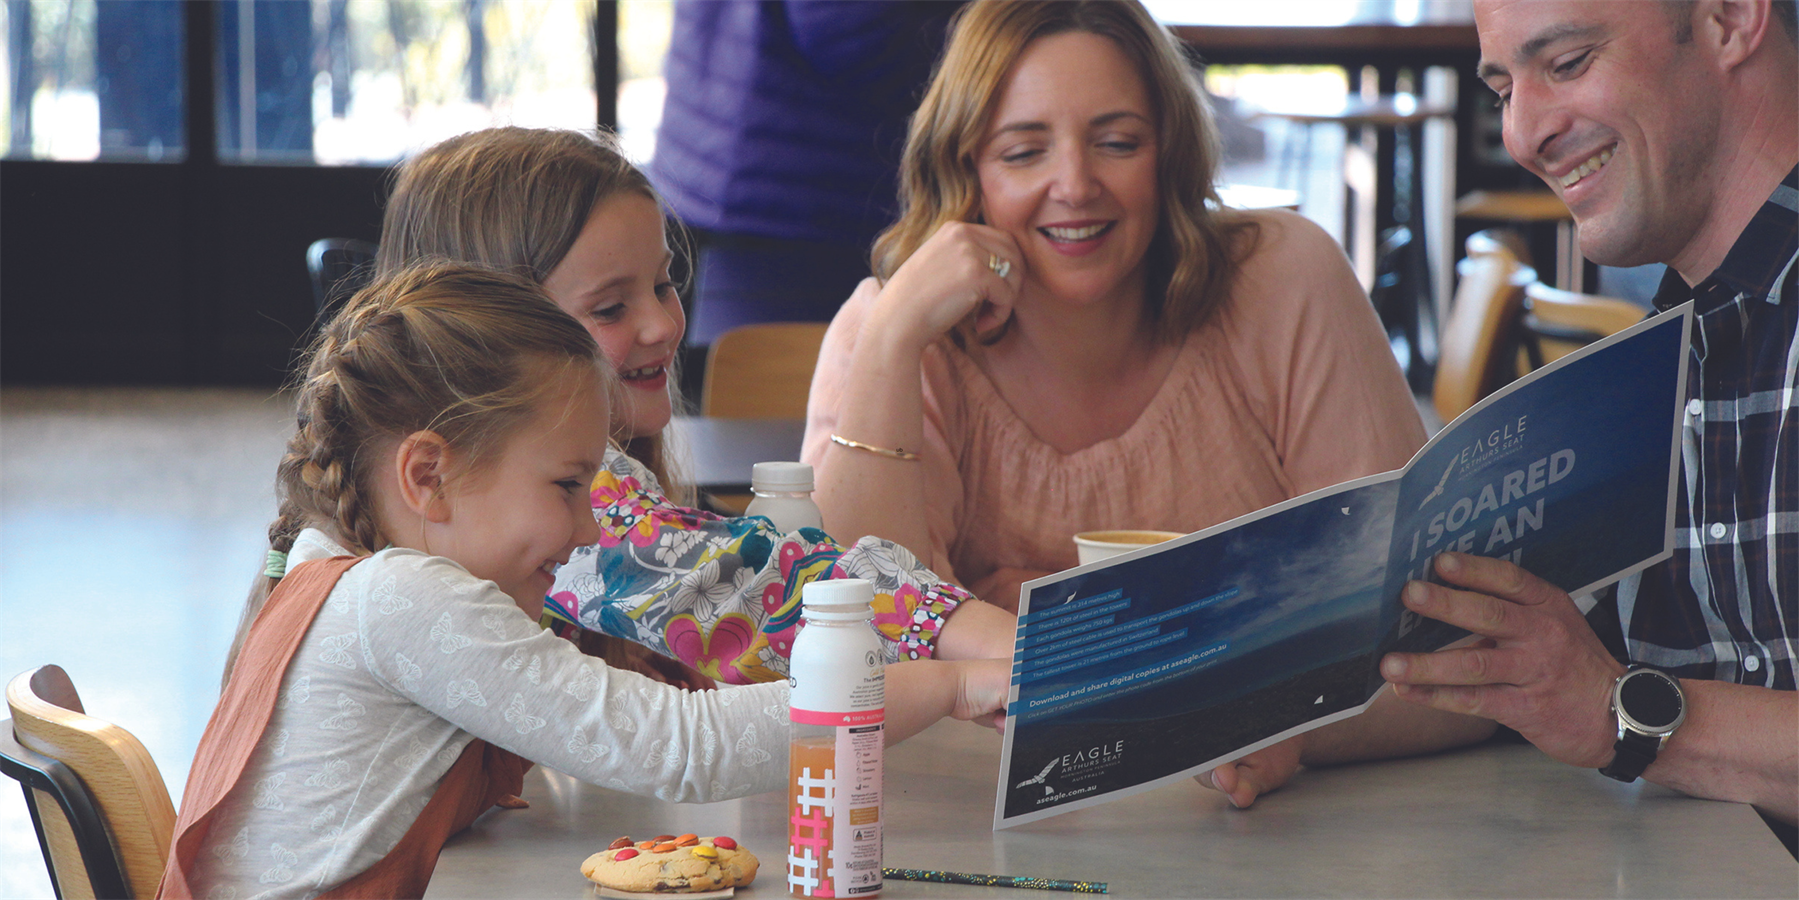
779	144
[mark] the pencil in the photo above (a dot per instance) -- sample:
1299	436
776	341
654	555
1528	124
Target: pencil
1013	881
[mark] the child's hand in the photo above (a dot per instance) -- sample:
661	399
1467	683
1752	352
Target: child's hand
981	697
921	691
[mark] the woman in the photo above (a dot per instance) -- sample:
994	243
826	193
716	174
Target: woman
566	209
1099	346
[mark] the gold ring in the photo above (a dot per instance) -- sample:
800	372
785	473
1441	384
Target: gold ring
1000	266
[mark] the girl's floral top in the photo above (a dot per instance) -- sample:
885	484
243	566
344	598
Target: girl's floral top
723	594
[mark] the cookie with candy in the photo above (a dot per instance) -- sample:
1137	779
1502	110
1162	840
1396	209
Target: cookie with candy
667	863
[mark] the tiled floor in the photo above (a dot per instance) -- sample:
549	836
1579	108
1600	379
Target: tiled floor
131	523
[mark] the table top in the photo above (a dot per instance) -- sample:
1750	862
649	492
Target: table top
1435	32
1513	206
719	452
1499	820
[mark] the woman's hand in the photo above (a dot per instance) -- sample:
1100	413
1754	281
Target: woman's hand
949	279
956	276
1258	773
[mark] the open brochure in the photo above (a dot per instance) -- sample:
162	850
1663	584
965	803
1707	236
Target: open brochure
1157	665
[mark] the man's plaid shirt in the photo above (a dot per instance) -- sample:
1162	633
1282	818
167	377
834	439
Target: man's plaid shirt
1724	608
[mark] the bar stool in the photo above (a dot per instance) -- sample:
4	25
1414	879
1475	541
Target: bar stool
1396	266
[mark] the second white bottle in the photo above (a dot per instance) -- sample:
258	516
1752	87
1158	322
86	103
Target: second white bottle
838	711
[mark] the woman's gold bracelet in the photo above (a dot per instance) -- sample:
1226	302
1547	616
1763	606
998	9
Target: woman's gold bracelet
889	452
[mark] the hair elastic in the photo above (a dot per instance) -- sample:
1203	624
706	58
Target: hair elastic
276	565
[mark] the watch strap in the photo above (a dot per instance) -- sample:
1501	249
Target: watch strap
1633	753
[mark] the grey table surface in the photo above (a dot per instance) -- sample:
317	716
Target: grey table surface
719	452
1488	821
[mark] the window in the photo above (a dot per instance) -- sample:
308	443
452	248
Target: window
331	82
88	80
644	27
367	81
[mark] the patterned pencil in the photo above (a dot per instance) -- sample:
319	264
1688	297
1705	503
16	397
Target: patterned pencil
1012	881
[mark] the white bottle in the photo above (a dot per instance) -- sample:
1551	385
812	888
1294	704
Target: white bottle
838	710
784	494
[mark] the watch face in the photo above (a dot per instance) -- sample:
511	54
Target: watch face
1652	699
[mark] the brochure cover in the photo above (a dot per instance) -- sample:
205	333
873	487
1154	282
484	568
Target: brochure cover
1157	665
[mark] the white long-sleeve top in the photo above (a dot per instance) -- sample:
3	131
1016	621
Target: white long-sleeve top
409	659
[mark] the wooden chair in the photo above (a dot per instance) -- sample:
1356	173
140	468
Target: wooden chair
1475	351
1532	208
761	371
1557	322
103	815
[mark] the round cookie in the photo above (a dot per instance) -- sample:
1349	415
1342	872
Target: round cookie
667	863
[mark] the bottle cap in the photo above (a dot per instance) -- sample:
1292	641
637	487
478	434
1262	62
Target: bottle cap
838	597
786	477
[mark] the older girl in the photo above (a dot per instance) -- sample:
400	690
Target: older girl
566	210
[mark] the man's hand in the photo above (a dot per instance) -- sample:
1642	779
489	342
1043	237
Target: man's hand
1538	668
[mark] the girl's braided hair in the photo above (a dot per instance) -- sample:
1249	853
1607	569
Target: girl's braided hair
458	350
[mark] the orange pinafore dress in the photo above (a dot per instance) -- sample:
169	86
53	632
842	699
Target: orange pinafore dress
479	778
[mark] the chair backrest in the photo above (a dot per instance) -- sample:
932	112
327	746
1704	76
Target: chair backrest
761	371
1557	323
77	850
116	770
1482	325
339	267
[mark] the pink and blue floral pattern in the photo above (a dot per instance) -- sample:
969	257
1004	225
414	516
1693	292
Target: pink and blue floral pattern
723	594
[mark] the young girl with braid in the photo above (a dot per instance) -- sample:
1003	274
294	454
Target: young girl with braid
565	209
395	682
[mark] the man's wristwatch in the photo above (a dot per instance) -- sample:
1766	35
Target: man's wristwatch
1649	706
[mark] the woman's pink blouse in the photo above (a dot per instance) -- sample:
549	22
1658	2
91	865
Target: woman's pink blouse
1290	388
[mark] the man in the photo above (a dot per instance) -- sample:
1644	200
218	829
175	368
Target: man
1672	132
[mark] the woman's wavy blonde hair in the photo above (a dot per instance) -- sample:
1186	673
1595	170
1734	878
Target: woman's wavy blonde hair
514	199
1195	251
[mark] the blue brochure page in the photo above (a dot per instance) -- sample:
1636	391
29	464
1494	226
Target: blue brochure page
1152	666
1126	675
1570	475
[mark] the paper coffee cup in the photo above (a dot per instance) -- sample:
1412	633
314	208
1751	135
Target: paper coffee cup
1093	546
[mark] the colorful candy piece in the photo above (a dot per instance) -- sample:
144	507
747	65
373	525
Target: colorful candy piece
724	842
687	840
663	848
618	843
625	853
645	845
705	852
663	838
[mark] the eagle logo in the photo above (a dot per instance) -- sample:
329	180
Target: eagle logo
1040	778
1438	490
